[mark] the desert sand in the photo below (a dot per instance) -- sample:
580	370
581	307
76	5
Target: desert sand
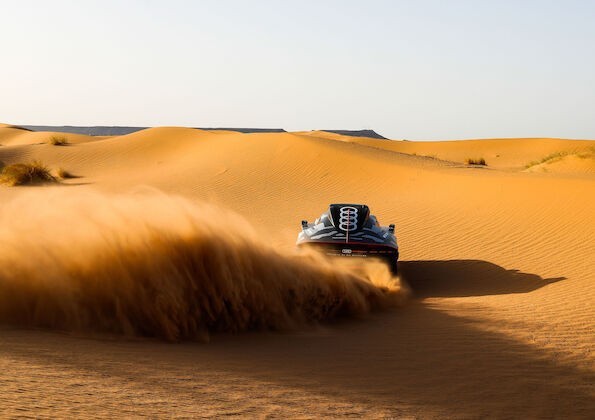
499	260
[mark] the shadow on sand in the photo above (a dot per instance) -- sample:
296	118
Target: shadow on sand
459	278
417	361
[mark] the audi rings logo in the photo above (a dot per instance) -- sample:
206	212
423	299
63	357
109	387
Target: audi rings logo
348	218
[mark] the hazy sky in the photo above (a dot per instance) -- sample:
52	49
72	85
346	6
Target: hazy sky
408	69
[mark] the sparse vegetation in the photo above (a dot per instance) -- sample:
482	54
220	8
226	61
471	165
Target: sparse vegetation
473	161
551	158
64	174
26	174
426	156
587	153
58	141
555	157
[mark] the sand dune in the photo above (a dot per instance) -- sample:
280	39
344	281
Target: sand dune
511	154
569	161
500	260
16	136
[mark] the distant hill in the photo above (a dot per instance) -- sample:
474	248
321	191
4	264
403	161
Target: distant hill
90	131
247	130
358	133
101	130
104	130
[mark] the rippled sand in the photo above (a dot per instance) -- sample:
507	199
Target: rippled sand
500	261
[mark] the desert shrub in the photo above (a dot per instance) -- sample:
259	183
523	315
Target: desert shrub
26	174
58	141
64	174
586	154
551	158
472	161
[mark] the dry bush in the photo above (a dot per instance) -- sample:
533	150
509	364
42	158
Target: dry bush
556	156
587	154
553	157
472	161
58	141
26	174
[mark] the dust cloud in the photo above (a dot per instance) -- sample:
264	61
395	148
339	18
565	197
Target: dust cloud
156	265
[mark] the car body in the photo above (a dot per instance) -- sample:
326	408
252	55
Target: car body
350	231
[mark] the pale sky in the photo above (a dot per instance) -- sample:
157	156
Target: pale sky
417	69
